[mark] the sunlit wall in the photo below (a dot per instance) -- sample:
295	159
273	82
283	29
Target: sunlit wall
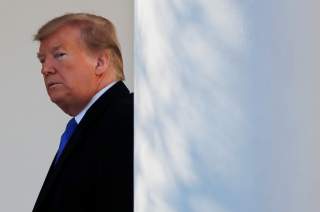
226	106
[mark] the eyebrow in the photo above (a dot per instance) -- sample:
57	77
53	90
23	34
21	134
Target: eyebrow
55	48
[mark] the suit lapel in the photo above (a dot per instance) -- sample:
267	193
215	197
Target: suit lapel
56	168
44	188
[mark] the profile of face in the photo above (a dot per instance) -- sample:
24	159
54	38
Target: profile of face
68	69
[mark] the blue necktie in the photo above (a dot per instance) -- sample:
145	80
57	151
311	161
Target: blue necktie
71	126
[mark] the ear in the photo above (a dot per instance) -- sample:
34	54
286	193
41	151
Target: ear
102	62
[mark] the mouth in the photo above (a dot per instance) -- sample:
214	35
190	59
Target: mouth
53	84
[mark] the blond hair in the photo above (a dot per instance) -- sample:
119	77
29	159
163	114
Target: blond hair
97	32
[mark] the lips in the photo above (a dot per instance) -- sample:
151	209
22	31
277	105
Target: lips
52	84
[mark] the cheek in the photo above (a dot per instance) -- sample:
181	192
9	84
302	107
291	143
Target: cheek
76	76
66	73
83	73
77	80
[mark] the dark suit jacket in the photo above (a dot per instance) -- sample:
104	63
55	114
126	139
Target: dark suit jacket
95	171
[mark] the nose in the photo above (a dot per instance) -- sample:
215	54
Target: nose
47	68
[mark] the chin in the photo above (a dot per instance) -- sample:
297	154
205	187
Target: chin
62	104
58	99
57	95
55	98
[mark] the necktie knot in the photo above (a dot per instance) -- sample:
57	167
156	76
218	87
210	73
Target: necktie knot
71	126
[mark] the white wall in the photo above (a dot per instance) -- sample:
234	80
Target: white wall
30	124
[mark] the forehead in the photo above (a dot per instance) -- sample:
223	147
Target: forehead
66	37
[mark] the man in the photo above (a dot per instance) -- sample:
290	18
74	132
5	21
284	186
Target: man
82	70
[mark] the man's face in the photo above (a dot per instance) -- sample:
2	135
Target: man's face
68	69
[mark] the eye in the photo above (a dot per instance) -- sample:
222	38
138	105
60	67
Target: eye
41	60
59	55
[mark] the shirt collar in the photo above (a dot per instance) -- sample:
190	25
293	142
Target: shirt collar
93	99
